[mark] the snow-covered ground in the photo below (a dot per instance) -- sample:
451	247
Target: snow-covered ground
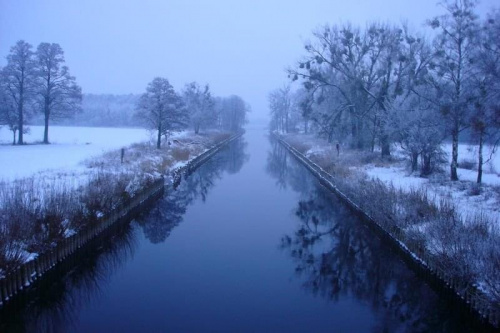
437	186
69	147
79	166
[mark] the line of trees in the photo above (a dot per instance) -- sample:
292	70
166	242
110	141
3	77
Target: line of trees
162	109
385	85
36	81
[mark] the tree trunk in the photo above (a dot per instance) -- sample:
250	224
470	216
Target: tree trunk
46	110
359	133
14	138
414	161
386	147
196	128
46	130
374	136
426	165
21	119
454	156
158	142
480	159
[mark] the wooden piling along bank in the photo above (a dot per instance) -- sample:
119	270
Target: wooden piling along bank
30	272
468	296
199	160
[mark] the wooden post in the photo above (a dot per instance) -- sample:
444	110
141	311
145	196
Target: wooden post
15	282
19	278
3	296
24	276
32	271
494	318
53	258
37	266
8	285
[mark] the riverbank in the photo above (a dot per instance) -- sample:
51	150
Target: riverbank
462	252
40	211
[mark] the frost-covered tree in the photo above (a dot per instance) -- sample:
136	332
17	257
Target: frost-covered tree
418	126
280	105
231	112
362	69
304	104
58	94
454	68
162	109
18	77
200	105
485	120
8	111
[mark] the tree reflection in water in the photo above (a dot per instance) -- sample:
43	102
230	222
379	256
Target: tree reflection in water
57	301
337	257
168	213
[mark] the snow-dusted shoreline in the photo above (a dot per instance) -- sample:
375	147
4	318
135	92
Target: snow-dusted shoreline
464	194
50	205
461	250
25	273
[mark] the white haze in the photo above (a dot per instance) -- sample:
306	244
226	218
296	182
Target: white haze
238	47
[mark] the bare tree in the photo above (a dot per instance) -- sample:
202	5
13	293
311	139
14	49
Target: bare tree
161	108
454	68
486	113
304	103
231	112
280	105
59	95
200	105
8	111
17	77
364	70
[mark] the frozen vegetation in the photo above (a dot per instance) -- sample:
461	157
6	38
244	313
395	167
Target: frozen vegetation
41	206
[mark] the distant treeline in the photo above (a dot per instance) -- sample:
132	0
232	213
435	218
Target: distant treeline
102	110
36	88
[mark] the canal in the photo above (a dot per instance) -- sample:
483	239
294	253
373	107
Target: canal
249	242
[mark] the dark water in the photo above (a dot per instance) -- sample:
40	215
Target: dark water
249	242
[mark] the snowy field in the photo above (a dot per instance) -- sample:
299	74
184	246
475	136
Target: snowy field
438	186
69	147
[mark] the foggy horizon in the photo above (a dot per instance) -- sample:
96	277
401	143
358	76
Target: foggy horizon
237	48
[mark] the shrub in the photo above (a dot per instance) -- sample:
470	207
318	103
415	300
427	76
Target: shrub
180	154
475	189
468	164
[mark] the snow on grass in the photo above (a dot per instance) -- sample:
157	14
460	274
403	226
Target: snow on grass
66	186
69	147
469	199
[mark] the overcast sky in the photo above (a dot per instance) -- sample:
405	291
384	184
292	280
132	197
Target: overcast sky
237	46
